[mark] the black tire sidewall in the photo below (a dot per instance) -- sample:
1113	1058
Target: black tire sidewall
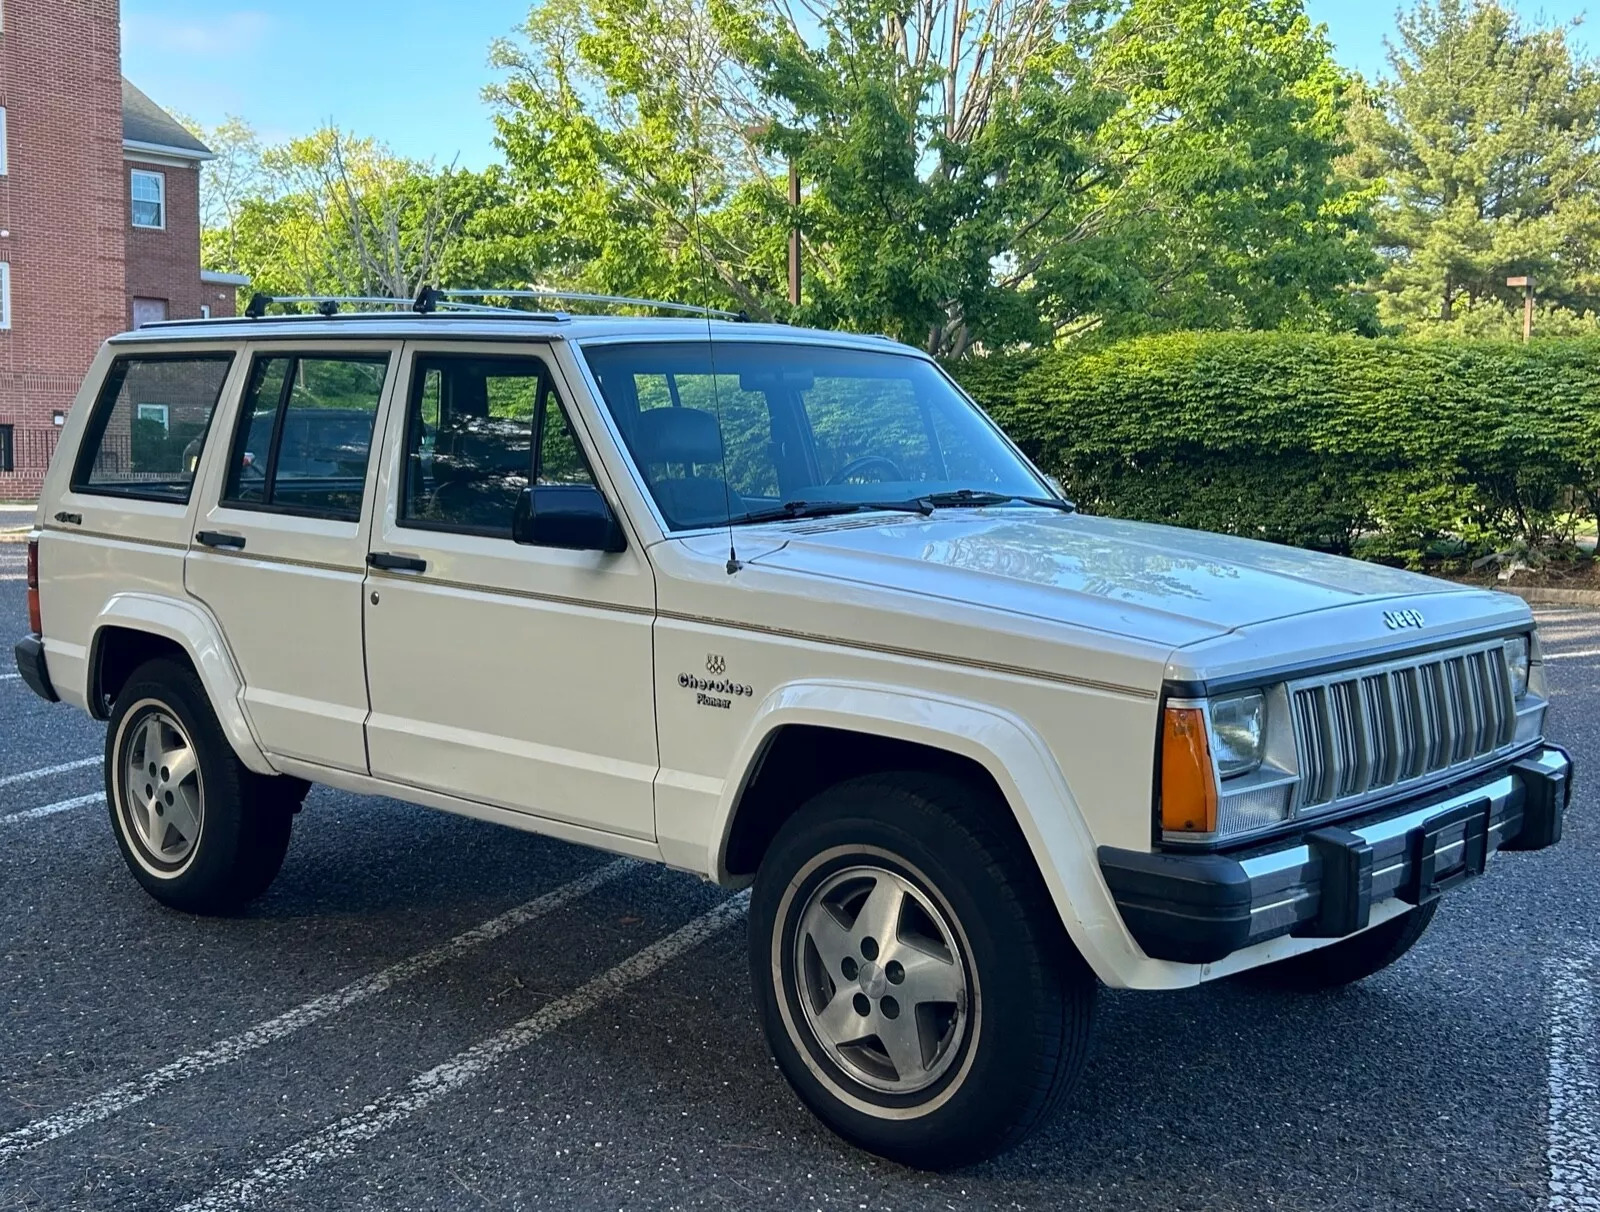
236	842
1018	981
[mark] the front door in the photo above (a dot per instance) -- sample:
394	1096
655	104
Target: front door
515	676
280	554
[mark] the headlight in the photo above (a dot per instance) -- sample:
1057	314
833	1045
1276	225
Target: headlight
1517	660
1239	732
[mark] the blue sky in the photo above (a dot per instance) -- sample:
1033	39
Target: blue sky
410	72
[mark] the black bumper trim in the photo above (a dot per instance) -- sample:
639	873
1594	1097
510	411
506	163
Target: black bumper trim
31	665
1201	908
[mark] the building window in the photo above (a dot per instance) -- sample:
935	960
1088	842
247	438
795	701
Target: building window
148	311
5	294
5	155
8	449
149	198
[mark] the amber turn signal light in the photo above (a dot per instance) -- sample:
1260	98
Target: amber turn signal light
1188	786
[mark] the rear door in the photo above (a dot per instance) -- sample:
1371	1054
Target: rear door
512	675
279	548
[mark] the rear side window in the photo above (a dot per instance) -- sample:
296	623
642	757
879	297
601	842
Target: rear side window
149	426
305	433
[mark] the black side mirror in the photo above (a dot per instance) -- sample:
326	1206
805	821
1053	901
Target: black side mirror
574	516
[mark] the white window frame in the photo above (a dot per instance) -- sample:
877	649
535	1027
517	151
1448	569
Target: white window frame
5	144
161	201
154	412
5	295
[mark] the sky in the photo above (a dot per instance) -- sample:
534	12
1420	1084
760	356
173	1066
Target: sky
410	72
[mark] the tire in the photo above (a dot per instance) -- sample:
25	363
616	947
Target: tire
1352	959
198	830
1003	1033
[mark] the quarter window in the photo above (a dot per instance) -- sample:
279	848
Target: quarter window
149	198
149	424
304	435
473	428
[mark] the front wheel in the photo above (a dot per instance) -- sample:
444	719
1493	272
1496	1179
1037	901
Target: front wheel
197	829
915	984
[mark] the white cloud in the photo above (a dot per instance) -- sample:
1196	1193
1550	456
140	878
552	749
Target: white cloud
224	36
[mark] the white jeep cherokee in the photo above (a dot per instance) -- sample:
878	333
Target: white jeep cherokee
770	606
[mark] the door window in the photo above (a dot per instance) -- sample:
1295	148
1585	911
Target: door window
149	424
471	444
305	433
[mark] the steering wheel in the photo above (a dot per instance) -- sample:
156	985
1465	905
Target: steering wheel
856	466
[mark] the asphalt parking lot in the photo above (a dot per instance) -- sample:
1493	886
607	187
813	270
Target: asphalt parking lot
431	1012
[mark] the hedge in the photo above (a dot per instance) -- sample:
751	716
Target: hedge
1406	451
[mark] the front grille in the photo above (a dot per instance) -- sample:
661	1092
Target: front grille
1365	731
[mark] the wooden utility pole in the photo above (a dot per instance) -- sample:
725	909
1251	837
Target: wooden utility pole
1526	283
794	235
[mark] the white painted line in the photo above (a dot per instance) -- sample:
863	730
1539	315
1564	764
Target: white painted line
45	772
340	1139
33	814
1573	1131
130	1093
1572	656
7	677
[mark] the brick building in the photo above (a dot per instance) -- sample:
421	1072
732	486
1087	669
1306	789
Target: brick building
99	217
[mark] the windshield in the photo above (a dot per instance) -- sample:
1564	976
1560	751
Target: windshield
800	423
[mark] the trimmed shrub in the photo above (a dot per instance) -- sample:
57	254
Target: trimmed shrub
1409	451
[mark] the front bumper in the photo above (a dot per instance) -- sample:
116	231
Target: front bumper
1200	908
30	664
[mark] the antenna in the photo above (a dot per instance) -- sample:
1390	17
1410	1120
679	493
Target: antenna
711	353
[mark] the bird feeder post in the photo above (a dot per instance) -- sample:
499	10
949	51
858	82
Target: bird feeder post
1526	283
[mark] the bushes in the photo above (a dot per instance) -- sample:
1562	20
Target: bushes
1401	450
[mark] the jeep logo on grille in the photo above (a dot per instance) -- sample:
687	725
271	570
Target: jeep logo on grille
1395	620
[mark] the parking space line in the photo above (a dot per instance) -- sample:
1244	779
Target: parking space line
9	677
129	1093
32	814
1572	656
46	771
341	1138
1573	1130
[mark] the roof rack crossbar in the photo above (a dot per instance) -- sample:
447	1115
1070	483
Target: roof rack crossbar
578	296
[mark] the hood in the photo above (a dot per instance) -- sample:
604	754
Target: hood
1129	578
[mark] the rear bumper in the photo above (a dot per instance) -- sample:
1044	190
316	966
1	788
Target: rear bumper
1202	908
31	665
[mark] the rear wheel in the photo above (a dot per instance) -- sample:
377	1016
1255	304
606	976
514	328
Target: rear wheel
914	982
1352	959
199	831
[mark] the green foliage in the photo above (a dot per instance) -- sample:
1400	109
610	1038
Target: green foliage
999	174
1398	450
1484	148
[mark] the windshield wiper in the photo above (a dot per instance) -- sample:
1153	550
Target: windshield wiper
966	496
824	509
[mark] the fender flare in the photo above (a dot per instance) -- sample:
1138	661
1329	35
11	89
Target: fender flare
191	627
1021	764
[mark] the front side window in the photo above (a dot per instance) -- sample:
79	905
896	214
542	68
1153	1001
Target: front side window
732	433
305	433
149	424
478	432
149	198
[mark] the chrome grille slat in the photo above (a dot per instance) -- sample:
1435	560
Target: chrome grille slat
1362	732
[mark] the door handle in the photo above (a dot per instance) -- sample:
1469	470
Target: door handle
71	519
395	563
220	539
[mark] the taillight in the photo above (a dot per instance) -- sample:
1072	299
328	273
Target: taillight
35	621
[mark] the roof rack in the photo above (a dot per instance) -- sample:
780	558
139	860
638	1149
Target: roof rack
430	300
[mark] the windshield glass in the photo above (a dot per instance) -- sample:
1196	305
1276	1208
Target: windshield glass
801	423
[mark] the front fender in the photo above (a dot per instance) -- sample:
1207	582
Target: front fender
191	627
1022	767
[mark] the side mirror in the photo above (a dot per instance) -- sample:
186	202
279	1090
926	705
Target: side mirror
574	516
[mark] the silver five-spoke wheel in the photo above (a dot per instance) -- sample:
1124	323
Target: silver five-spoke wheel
883	982
163	800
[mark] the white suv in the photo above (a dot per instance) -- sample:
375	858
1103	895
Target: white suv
775	607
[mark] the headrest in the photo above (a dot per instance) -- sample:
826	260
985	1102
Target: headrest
677	435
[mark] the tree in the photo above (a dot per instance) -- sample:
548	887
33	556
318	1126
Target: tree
1485	148
331	213
1014	171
